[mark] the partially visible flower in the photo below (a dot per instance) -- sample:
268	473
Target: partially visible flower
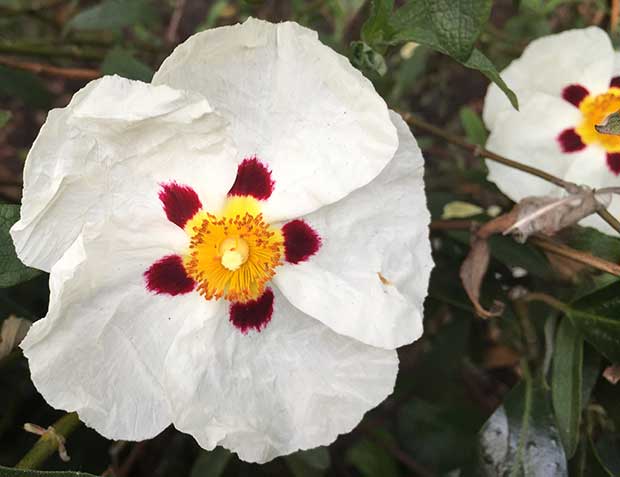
566	83
236	249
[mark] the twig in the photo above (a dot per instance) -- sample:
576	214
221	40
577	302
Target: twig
576	255
51	51
480	151
614	14
544	243
47	443
175	20
38	68
548	299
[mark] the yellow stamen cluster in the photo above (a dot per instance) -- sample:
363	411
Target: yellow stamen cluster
233	255
595	109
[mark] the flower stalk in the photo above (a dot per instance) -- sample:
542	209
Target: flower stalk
48	443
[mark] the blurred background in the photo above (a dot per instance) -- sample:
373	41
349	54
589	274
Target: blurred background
453	379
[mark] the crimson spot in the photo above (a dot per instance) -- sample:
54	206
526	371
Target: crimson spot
574	94
613	162
570	141
180	202
167	276
615	82
300	241
254	314
253	178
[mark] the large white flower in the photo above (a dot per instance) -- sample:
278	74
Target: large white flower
566	83
237	248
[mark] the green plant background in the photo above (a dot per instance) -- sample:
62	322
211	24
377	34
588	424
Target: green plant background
518	395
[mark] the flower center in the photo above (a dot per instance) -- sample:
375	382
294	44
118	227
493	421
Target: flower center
595	109
233	255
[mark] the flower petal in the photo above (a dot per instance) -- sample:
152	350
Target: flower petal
530	136
593	169
294	104
101	348
89	156
295	385
369	278
548	66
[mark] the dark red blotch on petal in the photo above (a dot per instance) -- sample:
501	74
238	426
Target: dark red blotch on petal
254	179
574	94
253	315
615	82
570	141
613	161
167	276
180	202
300	241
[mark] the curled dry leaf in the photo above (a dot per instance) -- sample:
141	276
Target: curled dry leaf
532	215
548	215
474	268
12	333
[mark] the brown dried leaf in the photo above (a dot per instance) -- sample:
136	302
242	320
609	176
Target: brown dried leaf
548	215
472	273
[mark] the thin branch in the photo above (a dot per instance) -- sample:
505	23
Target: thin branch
175	21
47	443
480	151
576	255
544	243
51	51
49	70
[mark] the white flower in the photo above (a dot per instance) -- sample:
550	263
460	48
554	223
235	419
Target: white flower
237	248
566	83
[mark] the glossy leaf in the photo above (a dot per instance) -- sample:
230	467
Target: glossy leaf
12	270
377	27
521	437
566	384
372	460
597	316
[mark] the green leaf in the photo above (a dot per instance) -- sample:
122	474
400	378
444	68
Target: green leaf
309	463
112	15
211	463
412	22
24	86
365	58
592	241
8	472
457	24
12	270
597	316
5	116
376	27
478	61
372	460
121	62
475	131
566	384
521	438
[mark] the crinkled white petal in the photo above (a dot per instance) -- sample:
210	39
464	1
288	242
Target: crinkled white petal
530	137
102	347
89	155
369	279
294	103
591	169
549	64
294	385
